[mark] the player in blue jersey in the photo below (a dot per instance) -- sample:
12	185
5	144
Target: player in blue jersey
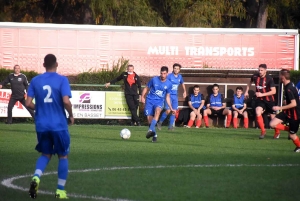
158	90
51	92
216	106
176	79
196	104
298	88
239	108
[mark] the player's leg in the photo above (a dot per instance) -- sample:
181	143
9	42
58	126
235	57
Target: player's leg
199	120
235	119
174	103
149	112
282	116
62	149
228	113
246	119
192	119
31	111
164	115
259	109
132	107
206	112
45	146
294	126
158	110
10	106
269	110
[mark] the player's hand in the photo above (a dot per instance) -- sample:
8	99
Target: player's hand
246	95
0	86
173	111
258	94
240	111
142	99
71	121
184	94
276	108
107	85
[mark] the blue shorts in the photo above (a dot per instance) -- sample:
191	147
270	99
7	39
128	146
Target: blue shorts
174	102
151	105
53	142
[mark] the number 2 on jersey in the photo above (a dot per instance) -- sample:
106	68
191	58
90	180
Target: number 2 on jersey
47	99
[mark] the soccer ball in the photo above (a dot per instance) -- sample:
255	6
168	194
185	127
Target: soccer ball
125	134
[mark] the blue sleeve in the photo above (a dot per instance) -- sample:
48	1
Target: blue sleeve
30	91
181	80
298	87
150	83
65	88
169	89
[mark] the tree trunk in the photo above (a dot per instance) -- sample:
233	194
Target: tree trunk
262	15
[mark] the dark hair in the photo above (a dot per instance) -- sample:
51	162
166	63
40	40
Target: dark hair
285	73
196	86
164	68
239	88
49	60
263	66
130	65
16	66
215	85
176	64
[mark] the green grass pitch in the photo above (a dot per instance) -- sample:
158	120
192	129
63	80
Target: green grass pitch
185	164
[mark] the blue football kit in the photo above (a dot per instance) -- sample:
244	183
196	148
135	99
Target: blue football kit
51	123
176	81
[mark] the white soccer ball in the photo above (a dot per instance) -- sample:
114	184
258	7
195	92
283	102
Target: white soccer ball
125	134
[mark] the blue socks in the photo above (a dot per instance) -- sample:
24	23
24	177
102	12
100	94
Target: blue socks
163	117
152	126
63	167
172	120
41	165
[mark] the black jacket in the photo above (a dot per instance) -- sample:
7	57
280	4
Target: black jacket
18	85
134	89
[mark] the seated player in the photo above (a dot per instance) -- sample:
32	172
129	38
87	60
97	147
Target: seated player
239	108
216	106
196	104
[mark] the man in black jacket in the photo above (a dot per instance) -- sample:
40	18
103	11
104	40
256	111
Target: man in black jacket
132	91
18	83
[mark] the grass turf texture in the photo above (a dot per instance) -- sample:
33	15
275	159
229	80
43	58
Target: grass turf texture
95	146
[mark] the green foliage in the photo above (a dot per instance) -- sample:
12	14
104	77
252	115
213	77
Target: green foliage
101	76
295	76
5	72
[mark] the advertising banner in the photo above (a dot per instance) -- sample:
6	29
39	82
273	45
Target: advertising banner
81	48
116	106
18	110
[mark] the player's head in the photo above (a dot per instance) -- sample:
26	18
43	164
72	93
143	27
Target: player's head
164	72
285	75
239	91
176	68
17	69
215	89
196	89
262	70
130	69
50	62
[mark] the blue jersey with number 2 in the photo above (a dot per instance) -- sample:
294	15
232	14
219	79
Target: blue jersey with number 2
48	90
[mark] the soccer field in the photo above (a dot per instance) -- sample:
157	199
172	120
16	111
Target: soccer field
186	164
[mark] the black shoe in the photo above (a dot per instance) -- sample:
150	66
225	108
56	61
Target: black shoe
131	123
297	149
138	124
171	129
154	139
8	122
150	134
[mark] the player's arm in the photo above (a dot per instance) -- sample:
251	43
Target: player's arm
145	91
168	99
184	90
4	82
29	103
114	80
25	82
138	82
248	87
223	102
68	105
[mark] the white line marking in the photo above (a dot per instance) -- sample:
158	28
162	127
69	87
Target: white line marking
9	181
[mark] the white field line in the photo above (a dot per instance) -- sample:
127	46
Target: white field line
9	181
